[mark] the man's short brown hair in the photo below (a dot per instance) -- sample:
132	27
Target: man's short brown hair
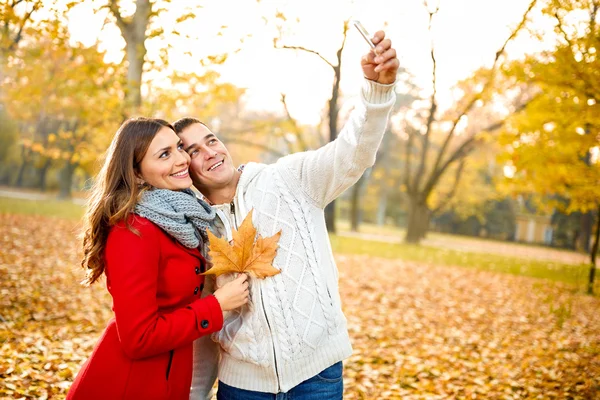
185	122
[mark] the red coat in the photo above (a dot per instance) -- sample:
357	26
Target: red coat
146	350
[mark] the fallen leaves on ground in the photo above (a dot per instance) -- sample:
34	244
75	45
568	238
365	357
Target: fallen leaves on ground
418	331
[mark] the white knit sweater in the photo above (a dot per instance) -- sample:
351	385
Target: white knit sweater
294	327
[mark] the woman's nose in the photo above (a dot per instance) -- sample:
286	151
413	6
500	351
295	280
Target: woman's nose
184	158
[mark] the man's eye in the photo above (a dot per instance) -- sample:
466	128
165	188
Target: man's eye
193	152
212	141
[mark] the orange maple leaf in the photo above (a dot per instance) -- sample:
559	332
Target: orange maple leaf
244	255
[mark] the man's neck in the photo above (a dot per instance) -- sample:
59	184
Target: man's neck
222	195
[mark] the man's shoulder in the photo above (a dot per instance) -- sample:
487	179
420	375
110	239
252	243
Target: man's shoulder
250	172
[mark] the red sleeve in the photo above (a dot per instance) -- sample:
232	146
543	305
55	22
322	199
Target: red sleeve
132	264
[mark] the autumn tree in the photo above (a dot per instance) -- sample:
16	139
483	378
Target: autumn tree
553	145
333	107
16	26
383	180
439	142
145	25
66	100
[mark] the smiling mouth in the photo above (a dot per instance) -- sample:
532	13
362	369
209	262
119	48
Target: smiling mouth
217	165
180	174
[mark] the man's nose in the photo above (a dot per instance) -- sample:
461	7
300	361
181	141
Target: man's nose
209	153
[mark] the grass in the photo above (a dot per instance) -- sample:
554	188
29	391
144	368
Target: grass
567	273
64	209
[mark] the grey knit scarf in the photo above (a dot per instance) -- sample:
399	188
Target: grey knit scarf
179	213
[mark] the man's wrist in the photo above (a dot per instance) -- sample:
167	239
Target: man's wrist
377	93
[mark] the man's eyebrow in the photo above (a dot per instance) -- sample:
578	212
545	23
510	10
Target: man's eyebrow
191	146
194	145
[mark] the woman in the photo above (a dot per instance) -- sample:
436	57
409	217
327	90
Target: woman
143	230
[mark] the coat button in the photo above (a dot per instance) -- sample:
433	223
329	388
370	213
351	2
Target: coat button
204	324
202	286
197	270
196	289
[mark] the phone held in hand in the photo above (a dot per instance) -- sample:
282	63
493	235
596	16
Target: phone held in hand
363	32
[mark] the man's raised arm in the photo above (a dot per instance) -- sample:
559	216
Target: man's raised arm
325	173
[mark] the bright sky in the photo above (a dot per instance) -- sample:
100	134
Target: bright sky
467	34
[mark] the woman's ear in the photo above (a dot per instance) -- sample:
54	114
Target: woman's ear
138	179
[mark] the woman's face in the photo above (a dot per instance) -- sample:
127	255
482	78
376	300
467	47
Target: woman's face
165	164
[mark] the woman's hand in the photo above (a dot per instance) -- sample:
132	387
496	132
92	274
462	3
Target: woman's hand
233	294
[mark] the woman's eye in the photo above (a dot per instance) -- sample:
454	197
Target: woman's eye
180	146
164	154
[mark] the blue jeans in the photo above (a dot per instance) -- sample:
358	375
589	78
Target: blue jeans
327	385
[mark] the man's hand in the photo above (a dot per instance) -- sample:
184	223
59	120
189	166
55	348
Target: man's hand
380	65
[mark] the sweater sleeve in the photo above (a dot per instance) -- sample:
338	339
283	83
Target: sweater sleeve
132	267
325	173
206	361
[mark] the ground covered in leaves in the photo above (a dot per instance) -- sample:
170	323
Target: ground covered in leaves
419	331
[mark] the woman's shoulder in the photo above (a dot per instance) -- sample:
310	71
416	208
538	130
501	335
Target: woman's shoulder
139	224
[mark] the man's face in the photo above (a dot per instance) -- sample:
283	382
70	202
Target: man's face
211	165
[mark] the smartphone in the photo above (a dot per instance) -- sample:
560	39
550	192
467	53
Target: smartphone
363	32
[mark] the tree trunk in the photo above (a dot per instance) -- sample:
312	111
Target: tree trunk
20	175
330	217
333	116
42	175
587	220
134	33
382	208
418	220
136	52
593	254
66	180
355	209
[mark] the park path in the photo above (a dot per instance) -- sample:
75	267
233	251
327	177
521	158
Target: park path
476	245
27	195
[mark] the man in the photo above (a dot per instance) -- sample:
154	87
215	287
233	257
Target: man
293	336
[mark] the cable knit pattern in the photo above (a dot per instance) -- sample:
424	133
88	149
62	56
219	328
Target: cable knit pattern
288	336
179	213
296	327
306	232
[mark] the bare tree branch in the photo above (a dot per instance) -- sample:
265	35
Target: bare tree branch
467	146
486	86
450	195
24	21
433	106
113	6
297	130
309	51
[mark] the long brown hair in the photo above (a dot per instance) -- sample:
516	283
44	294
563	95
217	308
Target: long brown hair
116	189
